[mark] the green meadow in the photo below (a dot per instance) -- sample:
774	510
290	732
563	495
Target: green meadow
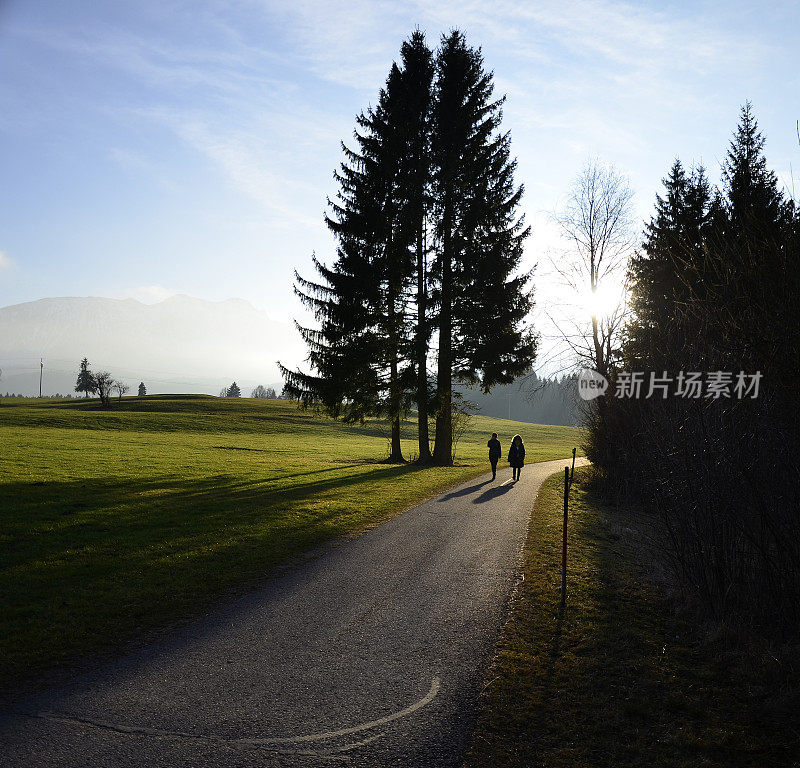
115	523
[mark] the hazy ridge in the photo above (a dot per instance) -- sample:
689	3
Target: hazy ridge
181	344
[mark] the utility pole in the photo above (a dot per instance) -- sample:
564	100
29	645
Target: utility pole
41	370
564	542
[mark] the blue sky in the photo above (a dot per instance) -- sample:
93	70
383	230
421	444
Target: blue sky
153	147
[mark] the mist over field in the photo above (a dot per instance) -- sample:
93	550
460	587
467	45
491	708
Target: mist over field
181	344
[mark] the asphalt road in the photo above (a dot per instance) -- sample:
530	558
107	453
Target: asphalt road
371	654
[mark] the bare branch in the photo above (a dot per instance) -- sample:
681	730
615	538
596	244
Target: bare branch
597	220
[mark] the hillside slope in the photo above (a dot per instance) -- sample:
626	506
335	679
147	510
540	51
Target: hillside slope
181	344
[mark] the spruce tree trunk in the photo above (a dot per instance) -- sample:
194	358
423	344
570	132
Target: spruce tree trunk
397	451
422	357
443	447
396	455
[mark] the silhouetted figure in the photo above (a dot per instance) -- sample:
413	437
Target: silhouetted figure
495	452
516	456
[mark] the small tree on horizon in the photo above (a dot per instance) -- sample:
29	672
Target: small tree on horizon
120	388
85	382
142	389
234	391
263	393
103	383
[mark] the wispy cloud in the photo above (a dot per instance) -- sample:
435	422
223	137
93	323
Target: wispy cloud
246	162
141	165
5	262
221	102
348	42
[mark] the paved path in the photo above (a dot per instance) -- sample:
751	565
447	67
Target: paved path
370	655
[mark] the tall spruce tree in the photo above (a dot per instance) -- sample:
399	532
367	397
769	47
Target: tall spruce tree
754	252
479	237
416	84
755	206
663	273
361	351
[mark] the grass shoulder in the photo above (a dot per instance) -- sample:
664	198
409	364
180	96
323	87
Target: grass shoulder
620	677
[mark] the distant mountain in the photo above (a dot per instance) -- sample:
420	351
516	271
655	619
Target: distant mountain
181	344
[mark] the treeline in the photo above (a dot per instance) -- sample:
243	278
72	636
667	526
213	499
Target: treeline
259	392
56	396
428	246
715	292
530	398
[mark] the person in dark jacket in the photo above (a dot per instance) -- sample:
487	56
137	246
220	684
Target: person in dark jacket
495	451
516	456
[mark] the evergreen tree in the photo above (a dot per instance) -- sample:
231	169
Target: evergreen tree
755	205
754	250
478	237
86	382
142	389
416	94
665	273
427	161
362	349
234	391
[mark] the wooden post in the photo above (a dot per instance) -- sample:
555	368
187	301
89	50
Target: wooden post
564	544
572	474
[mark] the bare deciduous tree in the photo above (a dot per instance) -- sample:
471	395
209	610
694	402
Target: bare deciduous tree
597	222
104	383
120	388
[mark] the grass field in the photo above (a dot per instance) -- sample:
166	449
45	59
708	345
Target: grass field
619	678
113	523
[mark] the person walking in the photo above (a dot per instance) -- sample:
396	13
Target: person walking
516	456
495	451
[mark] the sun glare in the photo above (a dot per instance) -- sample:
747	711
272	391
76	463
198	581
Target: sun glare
606	300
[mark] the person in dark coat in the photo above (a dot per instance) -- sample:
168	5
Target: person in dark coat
516	456
495	451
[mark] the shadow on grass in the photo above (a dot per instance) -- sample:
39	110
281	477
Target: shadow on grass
578	665
89	564
611	675
240	448
41	521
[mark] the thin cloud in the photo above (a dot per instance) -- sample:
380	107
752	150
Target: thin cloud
5	262
245	160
